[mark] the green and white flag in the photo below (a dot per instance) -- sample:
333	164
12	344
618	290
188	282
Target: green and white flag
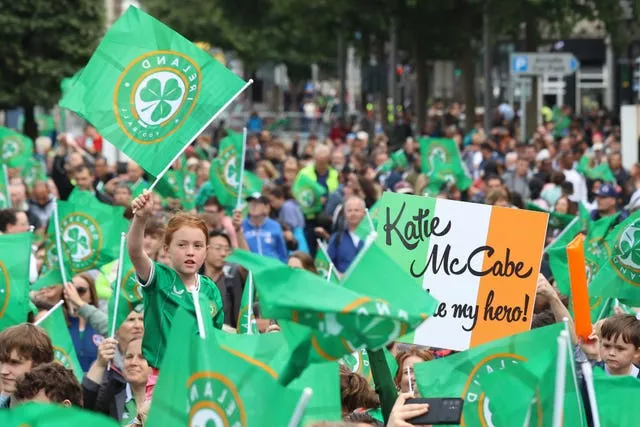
617	397
15	148
619	276
201	384
308	193
246	316
90	231
601	172
50	274
364	228
33	414
398	160
358	363
67	83
530	359
63	350
325	403
442	164
15	255
32	172
323	265
130	298
149	91
5	197
188	190
225	172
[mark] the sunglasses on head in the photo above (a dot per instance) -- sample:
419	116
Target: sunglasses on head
81	291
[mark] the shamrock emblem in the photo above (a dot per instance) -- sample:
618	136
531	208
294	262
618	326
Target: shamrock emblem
629	247
159	97
77	242
307	198
9	149
206	418
231	172
437	157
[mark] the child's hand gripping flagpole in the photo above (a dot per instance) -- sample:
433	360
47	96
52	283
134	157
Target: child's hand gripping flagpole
296	418
242	159
112	333
561	376
215	116
48	313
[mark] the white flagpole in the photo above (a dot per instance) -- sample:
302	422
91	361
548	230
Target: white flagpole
591	392
196	304
574	374
56	223
242	159
330	271
298	413
215	116
6	184
373	229
250	306
324	251
117	290
561	375
527	418
48	313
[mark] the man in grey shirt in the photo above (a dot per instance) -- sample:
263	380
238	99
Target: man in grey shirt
517	180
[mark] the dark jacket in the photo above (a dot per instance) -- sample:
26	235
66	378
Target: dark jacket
231	286
64	184
109	397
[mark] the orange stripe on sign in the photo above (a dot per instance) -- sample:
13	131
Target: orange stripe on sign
517	238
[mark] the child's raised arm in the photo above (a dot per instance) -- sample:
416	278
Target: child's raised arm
141	262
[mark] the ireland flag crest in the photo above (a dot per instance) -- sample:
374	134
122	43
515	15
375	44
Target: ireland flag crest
15	148
150	91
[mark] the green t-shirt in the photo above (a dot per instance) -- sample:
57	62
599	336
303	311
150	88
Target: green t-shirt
163	293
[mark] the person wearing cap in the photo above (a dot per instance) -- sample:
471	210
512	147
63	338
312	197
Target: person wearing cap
607	200
263	235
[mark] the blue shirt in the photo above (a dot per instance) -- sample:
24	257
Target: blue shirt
342	250
267	239
85	343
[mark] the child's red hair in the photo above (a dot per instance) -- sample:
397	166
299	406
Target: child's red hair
183	219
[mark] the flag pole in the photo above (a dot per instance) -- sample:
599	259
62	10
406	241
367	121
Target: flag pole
298	413
48	313
330	271
117	290
242	159
250	306
527	418
215	116
56	224
373	229
324	251
6	185
561	376
591	392
561	234
574	374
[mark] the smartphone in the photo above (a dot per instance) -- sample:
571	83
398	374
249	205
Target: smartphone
442	410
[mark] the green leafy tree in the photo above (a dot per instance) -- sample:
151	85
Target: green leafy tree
42	43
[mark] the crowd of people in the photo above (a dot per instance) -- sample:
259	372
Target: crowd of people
171	247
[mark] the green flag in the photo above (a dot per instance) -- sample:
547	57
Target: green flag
530	355
67	83
90	231
32	172
63	350
323	265
170	185
33	414
244	323
225	172
325	403
308	193
15	255
5	197
201	383
15	148
130	298
616	396
619	276
364	228
50	274
358	362
188	190
442	164
601	172
557	221
362	313
149	91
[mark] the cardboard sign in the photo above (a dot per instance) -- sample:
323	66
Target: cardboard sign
480	262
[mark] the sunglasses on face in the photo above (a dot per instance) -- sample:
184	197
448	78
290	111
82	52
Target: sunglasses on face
81	291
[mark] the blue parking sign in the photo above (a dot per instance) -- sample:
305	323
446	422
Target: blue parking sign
519	63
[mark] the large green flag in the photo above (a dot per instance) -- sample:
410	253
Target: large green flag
67	83
364	228
364	312
15	148
246	324
90	231
601	172
225	172
398	160
149	91
15	255
63	350
442	164
325	403
619	276
617	398
286	356
33	414
130	298
50	274
32	172
530	358
308	193
201	383
170	185
358	362
5	197
323	265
